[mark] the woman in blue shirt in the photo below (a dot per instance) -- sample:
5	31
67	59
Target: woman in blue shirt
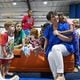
57	45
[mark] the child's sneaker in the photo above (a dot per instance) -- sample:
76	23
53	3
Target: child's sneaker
79	67
1	78
16	77
10	73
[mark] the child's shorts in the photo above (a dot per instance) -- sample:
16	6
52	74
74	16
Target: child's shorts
27	32
5	61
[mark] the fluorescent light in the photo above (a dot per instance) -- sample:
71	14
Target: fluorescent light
45	2
14	3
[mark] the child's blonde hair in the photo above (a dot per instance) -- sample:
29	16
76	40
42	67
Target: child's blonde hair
75	21
34	32
7	24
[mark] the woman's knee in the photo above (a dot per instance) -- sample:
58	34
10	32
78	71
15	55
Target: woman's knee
55	48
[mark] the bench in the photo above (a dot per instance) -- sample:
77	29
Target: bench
37	62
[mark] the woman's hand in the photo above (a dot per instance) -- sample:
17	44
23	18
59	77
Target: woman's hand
56	32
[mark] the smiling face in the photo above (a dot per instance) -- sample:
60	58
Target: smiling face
53	18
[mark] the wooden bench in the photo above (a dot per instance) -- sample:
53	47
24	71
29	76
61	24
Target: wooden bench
37	63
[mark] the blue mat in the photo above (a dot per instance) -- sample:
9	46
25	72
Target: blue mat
72	76
46	76
34	79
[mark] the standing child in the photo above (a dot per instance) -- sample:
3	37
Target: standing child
6	54
28	22
77	43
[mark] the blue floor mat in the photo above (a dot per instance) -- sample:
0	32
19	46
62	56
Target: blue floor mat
46	76
72	76
35	79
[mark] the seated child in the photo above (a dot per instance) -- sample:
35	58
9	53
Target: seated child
32	44
37	44
26	48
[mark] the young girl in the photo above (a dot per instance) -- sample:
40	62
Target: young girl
32	43
77	44
19	36
6	54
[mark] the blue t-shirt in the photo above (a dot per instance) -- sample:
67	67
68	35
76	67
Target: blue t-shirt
52	39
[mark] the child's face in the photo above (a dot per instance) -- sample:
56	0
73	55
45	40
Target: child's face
75	23
32	37
61	18
27	40
11	28
30	13
18	27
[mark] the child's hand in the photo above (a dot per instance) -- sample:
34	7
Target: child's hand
44	51
5	55
26	51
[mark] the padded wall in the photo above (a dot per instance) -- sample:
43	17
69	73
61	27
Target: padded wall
78	11
74	11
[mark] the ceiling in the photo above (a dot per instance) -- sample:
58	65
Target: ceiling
16	12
